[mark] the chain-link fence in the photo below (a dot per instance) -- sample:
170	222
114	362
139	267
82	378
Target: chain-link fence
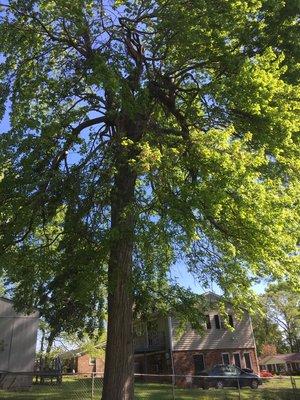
52	386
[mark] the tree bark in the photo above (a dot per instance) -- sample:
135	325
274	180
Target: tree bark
50	341
118	376
42	347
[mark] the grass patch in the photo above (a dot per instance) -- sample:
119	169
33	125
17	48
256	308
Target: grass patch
75	388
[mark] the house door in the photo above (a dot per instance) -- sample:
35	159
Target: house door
237	359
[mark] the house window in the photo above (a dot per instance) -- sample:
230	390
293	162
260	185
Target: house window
294	366
198	363
269	367
217	321
92	361
237	359
208	323
230	320
225	358
247	360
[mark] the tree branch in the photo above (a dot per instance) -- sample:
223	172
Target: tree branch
75	133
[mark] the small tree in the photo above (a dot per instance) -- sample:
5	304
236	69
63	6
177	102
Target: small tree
283	309
268	350
158	130
269	337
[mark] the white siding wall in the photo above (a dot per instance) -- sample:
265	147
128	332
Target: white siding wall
241	337
17	339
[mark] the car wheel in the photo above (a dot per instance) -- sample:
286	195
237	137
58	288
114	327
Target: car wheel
219	385
254	384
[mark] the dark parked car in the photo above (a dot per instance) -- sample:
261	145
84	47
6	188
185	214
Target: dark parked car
227	376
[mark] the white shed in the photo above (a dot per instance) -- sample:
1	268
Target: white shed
18	336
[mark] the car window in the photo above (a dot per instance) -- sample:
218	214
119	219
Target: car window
231	370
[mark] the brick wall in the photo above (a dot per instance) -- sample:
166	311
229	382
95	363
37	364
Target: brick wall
184	362
84	365
100	365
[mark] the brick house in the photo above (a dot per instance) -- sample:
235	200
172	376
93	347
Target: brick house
86	364
80	362
281	363
159	343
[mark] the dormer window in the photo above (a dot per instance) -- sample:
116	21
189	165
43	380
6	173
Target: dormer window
217	321
208	323
230	320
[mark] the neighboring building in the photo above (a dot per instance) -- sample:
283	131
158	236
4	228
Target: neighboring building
192	352
18	335
80	362
281	363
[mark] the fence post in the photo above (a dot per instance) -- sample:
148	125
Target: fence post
294	387
171	355
239	388
173	387
93	384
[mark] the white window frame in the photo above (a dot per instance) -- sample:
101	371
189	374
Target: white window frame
90	361
228	354
247	352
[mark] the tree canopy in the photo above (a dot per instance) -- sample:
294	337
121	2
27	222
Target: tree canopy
143	132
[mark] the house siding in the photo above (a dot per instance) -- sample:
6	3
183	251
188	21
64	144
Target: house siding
241	337
18	335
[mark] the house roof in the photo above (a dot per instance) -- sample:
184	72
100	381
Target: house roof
77	352
280	359
71	353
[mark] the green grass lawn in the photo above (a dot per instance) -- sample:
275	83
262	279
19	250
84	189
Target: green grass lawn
74	388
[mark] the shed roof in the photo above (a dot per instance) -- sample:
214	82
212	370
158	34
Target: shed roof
6	299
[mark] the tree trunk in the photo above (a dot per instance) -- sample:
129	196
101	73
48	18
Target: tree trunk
42	348
118	376
50	341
